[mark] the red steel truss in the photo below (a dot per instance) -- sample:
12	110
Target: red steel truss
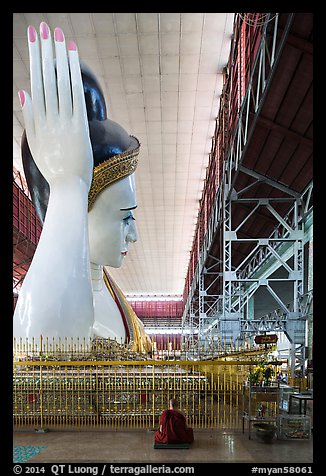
236	75
26	230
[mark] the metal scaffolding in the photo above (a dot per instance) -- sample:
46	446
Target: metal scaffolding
228	314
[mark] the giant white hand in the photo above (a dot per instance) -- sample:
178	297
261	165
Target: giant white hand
56	299
55	116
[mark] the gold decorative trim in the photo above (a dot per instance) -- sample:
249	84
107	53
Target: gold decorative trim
113	169
140	340
107	278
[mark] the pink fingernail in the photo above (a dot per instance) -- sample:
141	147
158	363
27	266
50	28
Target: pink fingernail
44	30
31	33
58	34
21	95
72	46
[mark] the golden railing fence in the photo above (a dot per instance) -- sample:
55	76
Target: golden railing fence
125	394
104	385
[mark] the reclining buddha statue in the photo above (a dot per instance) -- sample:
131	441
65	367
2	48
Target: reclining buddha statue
80	169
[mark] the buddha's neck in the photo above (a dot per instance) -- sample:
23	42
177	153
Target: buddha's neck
97	276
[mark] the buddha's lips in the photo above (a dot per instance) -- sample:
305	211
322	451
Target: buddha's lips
124	253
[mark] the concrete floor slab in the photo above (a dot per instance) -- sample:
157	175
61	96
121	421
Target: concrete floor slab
136	446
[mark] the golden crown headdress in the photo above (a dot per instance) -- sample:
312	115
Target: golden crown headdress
111	170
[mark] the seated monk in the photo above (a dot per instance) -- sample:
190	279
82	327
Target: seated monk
173	427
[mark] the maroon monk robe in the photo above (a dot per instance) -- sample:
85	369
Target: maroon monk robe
174	428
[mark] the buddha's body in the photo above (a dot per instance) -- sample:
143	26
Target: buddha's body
80	168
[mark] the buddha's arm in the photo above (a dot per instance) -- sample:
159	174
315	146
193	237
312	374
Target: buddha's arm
56	296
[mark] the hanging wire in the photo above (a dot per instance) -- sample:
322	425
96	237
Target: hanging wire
256	19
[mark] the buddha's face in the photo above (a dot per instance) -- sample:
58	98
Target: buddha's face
111	223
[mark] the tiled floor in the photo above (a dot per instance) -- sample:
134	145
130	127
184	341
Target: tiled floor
210	446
